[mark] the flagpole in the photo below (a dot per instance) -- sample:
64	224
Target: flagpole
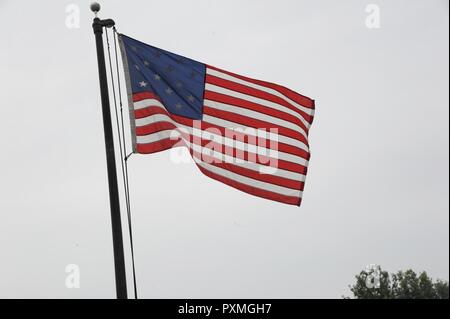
116	223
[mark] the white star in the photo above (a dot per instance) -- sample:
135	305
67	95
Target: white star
191	98
178	106
142	84
179	85
157	77
137	67
146	63
134	48
169	91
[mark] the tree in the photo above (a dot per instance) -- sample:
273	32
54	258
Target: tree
441	289
375	283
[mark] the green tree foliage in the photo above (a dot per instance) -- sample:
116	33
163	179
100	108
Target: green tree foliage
379	284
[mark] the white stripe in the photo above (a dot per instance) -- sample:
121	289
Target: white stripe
146	103
274	138
255	115
157	136
259	87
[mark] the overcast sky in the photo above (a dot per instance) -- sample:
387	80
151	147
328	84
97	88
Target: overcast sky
377	187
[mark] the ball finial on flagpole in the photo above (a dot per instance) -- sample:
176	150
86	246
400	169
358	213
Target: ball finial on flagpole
95	7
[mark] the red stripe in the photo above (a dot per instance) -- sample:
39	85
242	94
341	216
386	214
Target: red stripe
256	93
205	126
292	200
148	111
154	127
155	147
251	122
223	98
300	99
144	95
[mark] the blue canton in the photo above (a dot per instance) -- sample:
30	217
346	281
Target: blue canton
178	81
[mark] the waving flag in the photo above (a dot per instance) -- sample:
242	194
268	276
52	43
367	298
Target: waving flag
249	134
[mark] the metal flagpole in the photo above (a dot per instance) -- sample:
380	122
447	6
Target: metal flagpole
119	258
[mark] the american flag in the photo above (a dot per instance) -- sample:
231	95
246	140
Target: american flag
249	134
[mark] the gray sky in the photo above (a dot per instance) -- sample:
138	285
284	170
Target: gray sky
377	187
